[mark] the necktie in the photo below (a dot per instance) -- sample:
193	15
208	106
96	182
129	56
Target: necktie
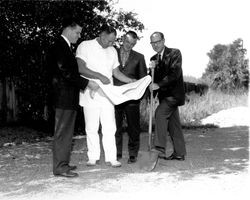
124	57
158	61
159	58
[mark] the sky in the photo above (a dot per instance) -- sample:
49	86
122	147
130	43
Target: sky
193	26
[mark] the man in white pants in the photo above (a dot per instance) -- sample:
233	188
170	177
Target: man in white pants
97	59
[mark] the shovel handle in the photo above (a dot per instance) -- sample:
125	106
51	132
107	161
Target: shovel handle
151	109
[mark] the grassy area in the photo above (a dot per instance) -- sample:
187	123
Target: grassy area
15	135
199	107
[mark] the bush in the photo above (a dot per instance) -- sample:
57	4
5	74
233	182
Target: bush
227	69
199	107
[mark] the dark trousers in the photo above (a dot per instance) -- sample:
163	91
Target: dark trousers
167	119
132	113
63	133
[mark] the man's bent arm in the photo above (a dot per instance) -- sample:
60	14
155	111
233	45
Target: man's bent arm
120	76
88	73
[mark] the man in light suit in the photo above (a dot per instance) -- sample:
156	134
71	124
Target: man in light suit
168	83
66	84
97	59
132	64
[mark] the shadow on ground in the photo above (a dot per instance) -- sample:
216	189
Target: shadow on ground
213	152
26	169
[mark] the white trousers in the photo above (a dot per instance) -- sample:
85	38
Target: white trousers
105	115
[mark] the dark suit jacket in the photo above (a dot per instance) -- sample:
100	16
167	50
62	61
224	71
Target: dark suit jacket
168	75
65	79
135	66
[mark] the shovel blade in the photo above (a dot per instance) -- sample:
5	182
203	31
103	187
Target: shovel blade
148	160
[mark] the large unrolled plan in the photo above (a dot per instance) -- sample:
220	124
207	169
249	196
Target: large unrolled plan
123	93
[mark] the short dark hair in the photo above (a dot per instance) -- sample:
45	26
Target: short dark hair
70	21
132	34
159	33
108	29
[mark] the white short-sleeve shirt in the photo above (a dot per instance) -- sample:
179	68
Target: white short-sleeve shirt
99	59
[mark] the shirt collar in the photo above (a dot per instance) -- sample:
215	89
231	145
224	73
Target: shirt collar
123	51
66	39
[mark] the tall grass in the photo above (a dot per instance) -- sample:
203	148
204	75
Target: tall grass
198	107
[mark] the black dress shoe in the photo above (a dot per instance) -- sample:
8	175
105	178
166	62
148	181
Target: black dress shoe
174	157
161	152
68	174
73	167
162	156
132	159
160	149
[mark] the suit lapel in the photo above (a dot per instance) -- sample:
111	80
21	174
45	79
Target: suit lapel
163	64
130	57
165	54
65	45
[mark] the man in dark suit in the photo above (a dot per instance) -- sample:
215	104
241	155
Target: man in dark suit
168	83
66	85
132	64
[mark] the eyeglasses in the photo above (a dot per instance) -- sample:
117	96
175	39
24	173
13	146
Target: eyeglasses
130	43
156	42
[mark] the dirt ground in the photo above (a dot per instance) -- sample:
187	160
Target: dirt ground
216	166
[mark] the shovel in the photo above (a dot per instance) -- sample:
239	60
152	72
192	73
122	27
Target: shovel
149	159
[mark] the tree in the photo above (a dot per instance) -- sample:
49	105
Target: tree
28	28
227	69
